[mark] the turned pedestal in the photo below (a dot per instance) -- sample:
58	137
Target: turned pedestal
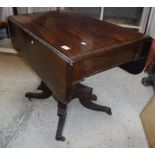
82	92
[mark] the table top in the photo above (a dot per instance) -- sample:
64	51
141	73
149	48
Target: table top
76	36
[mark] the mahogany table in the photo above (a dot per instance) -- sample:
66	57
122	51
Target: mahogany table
63	48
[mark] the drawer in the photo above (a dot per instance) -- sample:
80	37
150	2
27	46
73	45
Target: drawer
108	60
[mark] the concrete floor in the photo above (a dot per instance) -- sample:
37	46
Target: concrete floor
33	124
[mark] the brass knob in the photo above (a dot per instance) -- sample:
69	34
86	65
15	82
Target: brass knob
32	41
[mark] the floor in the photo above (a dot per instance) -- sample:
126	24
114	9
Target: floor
25	123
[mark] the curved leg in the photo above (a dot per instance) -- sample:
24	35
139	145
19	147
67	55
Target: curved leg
46	92
85	95
41	86
62	112
86	102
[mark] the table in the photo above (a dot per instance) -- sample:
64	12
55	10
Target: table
64	48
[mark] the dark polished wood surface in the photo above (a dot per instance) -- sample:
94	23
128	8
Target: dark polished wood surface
94	46
63	28
39	37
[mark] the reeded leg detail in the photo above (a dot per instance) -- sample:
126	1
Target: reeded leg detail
62	112
46	92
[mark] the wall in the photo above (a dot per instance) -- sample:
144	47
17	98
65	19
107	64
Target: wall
151	24
23	10
6	11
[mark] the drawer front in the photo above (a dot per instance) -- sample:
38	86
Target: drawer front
108	60
49	66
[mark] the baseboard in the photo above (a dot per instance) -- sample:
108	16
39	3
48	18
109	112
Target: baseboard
8	50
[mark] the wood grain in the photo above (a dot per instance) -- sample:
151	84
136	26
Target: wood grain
94	47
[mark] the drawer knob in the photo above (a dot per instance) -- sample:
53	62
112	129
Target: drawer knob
32	41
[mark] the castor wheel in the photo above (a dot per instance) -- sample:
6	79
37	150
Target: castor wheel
108	111
147	81
60	138
94	97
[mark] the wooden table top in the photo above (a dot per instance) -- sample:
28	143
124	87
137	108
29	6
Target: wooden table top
93	46
75	36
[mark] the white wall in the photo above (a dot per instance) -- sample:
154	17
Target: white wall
6	11
40	9
151	24
24	10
